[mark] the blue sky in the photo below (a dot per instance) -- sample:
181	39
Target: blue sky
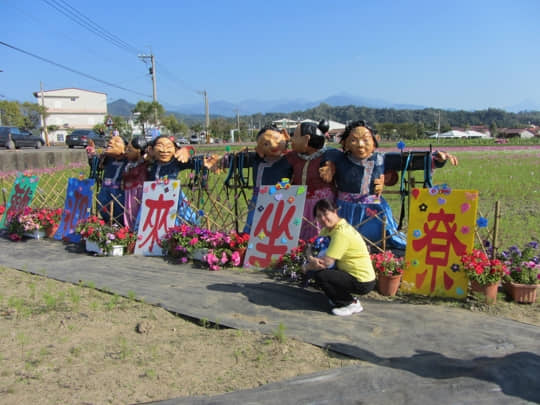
469	55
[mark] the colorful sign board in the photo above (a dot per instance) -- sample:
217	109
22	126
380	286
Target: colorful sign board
441	229
77	206
276	223
21	196
158	214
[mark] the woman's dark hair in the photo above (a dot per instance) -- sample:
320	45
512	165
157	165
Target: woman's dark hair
324	205
270	127
316	133
356	124
139	142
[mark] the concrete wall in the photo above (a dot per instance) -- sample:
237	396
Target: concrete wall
20	160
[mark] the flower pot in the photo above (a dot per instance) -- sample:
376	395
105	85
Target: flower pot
130	249
117	250
92	246
388	285
51	230
490	291
198	254
242	252
173	252
35	234
523	293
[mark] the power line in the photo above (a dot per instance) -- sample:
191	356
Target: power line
73	70
79	18
166	72
85	22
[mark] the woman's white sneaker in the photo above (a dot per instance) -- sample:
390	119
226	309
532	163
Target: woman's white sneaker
353	308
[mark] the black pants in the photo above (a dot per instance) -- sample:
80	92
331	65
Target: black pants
338	285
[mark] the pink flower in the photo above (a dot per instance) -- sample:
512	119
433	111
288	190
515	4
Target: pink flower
224	258
235	258
211	258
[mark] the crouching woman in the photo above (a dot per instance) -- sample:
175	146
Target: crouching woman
353	272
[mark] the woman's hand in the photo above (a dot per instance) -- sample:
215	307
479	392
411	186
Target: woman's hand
318	263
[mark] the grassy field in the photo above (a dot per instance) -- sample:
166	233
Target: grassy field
510	177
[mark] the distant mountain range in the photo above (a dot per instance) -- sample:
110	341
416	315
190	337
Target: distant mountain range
123	108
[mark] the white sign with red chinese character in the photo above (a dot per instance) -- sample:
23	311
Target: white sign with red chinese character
158	214
441	229
276	223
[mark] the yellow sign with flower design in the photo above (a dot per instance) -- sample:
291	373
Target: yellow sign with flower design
441	230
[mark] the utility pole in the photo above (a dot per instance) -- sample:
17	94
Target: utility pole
206	115
439	127
152	71
43	120
236	110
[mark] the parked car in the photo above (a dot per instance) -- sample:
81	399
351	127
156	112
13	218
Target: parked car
182	141
194	138
15	138
80	137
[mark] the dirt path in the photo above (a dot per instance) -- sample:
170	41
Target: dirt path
68	344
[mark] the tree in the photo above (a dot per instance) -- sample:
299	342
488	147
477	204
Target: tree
26	115
147	113
197	127
173	126
221	128
493	129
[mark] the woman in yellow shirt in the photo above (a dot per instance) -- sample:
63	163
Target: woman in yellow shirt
353	272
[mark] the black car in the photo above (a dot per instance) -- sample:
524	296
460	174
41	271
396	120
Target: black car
80	137
15	138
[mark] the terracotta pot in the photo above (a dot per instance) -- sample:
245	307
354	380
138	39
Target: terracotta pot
388	285
130	249
51	230
242	252
523	293
490	291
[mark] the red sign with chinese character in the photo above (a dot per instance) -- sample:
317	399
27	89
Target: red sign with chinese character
276	224
441	230
158	214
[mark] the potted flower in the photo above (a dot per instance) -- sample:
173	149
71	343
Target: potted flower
524	271
126	238
50	218
185	242
223	249
2	210
30	221
389	269
15	229
95	233
483	273
290	264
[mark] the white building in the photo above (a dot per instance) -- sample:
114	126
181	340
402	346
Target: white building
454	133
70	109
